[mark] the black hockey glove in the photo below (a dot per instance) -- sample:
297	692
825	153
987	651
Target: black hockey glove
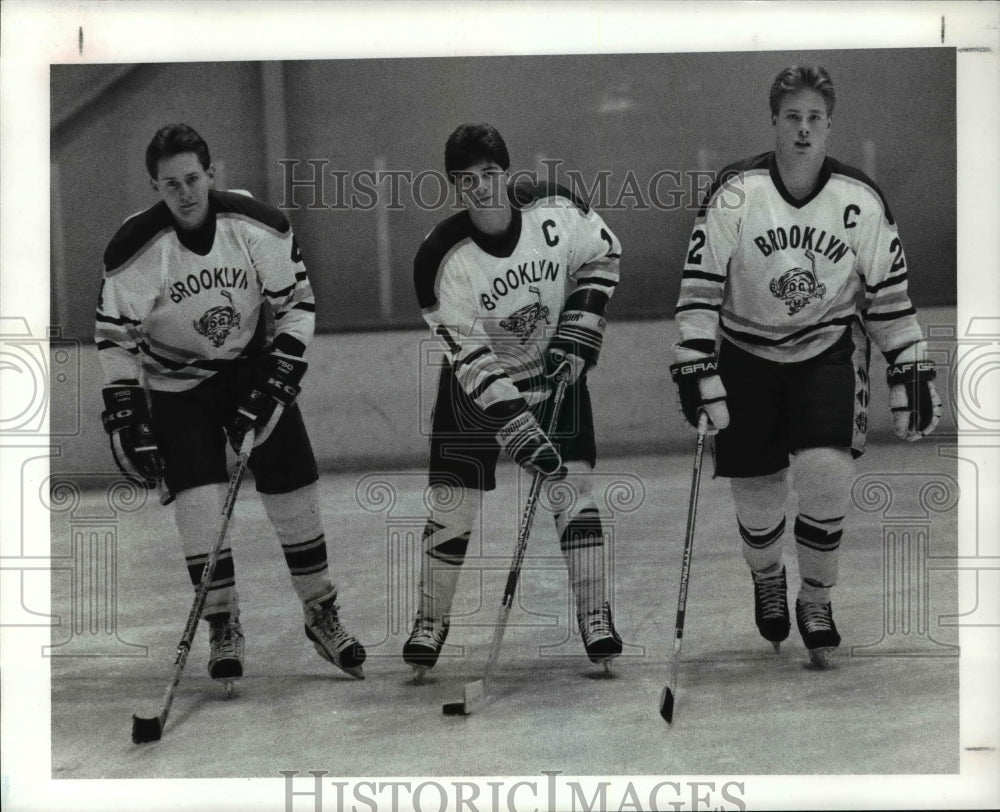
277	383
915	405
126	420
700	388
523	439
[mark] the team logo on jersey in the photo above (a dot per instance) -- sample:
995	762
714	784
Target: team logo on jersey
797	287
217	322
522	322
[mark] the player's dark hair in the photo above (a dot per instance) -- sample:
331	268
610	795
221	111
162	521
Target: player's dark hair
471	143
175	139
795	78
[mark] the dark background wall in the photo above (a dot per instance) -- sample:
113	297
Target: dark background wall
627	116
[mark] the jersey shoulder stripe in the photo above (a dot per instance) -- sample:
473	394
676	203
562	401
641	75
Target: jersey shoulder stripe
135	234
527	193
839	168
247	206
733	170
432	252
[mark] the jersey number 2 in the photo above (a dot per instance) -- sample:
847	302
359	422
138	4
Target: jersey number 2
697	243
898	263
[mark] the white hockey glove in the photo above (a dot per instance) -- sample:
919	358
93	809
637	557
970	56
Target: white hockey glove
567	363
523	439
915	405
700	389
126	419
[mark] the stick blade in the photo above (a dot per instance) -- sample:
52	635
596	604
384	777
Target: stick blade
146	730
475	697
667	705
453	709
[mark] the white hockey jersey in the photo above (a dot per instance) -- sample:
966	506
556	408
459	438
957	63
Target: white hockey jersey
781	278
176	306
496	302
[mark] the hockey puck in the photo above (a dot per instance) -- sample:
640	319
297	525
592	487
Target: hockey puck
453	709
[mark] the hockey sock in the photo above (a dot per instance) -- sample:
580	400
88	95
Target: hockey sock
445	542
822	480
196	513
581	536
760	515
762	547
817	542
295	518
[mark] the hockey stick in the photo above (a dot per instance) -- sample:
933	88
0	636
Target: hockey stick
150	729
475	692
667	697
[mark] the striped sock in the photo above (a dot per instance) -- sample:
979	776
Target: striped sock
581	539
295	518
817	542
762	547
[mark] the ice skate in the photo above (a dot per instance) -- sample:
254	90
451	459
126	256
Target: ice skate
225	659
333	642
600	638
770	597
424	645
819	632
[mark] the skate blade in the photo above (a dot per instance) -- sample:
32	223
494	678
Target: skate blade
357	672
776	644
821	659
420	673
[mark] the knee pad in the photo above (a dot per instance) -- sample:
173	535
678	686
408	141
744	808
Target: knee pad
295	516
822	478
196	514
760	500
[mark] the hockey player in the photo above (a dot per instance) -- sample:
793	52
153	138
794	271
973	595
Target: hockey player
184	343
513	284
793	264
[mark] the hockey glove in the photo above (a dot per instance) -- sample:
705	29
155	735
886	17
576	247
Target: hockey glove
915	405
523	439
559	361
277	383
579	334
126	420
700	388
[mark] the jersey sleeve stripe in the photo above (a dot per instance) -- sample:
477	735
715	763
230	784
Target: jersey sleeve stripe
698	306
886	283
282	293
597	280
116	320
708	277
471	357
477	393
895	314
107	344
